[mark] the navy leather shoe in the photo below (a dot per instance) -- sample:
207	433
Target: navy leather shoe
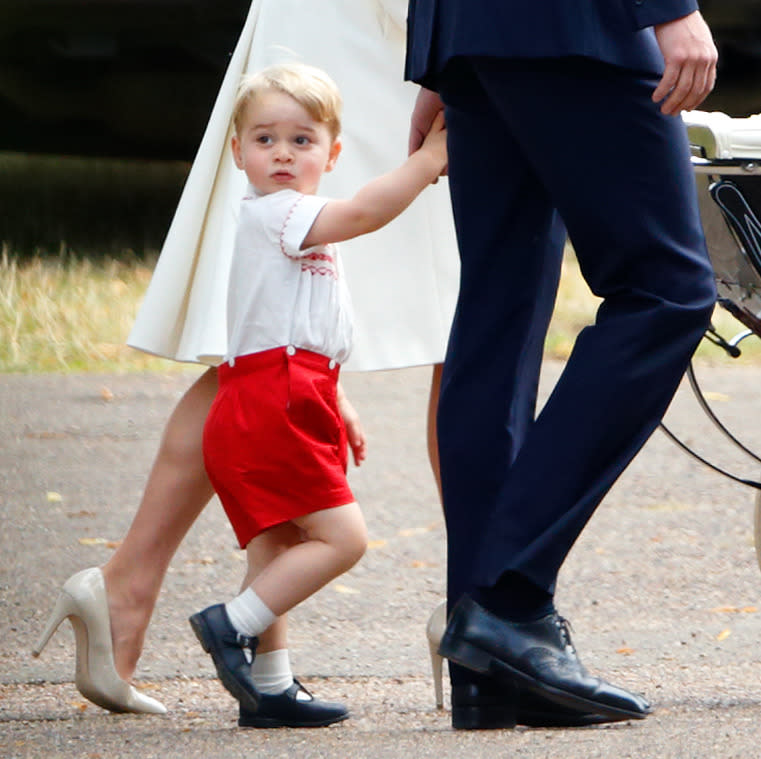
295	707
227	647
493	705
535	656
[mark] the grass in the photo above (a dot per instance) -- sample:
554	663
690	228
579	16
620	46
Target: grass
576	307
68	313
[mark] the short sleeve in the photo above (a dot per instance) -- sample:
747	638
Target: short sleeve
290	216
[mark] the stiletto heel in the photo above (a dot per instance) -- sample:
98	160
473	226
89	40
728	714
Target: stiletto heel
434	632
61	610
83	601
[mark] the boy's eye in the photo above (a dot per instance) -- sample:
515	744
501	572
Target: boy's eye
264	139
302	140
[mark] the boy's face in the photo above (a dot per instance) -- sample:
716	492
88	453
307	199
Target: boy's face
280	146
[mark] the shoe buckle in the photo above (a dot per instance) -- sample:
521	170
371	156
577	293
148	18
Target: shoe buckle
245	641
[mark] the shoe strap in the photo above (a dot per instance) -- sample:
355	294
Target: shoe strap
300	687
246	641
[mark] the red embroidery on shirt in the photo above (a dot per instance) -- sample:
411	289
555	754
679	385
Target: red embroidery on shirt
285	224
319	257
313	263
323	271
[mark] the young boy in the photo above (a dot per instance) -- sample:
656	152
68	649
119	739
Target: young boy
274	441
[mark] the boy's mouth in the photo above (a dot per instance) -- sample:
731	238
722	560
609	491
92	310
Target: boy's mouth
282	176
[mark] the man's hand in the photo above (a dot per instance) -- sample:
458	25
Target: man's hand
354	431
690	55
427	106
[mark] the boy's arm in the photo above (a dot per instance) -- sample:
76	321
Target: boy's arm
384	198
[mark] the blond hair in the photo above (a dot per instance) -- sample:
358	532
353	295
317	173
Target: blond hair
310	87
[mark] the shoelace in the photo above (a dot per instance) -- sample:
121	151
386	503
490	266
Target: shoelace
565	628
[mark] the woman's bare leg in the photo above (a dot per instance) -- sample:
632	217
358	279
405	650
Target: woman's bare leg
175	494
433	445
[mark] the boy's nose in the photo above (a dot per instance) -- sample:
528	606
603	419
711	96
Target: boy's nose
282	153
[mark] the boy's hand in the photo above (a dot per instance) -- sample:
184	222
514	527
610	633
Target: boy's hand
354	431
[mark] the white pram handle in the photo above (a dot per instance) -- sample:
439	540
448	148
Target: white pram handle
724	138
727	163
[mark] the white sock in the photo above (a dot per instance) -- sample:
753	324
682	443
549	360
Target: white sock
271	672
249	614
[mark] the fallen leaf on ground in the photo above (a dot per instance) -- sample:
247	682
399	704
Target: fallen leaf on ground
408	532
376	543
735	610
345	589
53	497
93	541
625	650
724	634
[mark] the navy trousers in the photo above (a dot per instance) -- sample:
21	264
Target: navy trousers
531	143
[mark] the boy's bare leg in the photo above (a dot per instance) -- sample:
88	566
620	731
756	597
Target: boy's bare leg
175	494
261	551
334	540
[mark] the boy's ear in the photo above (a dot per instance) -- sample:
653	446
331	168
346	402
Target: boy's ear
335	150
237	157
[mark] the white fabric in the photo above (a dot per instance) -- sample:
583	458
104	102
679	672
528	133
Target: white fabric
403	278
725	137
271	672
282	295
248	614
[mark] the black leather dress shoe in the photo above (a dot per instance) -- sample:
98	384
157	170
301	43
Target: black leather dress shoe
226	646
536	656
492	705
296	707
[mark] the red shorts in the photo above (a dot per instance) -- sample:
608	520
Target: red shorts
274	443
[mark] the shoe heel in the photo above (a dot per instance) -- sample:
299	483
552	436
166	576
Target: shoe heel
437	668
484	717
434	632
196	622
463	653
64	606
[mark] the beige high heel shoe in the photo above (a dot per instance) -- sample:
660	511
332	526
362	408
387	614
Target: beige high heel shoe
434	631
83	601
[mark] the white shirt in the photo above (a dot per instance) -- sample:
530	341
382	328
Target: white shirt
280	295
